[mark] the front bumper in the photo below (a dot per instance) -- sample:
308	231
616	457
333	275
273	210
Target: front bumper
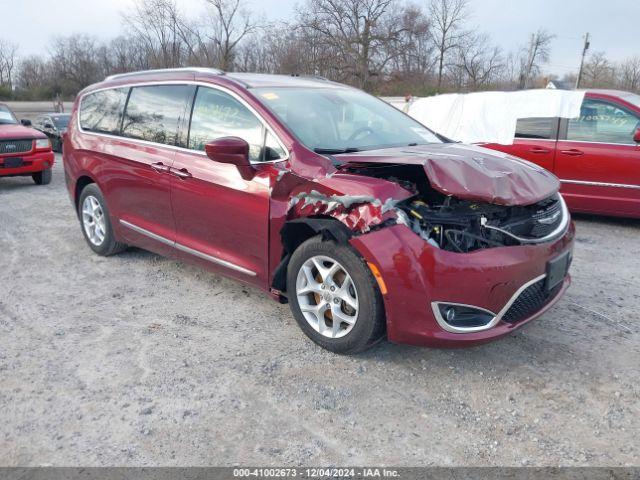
417	274
31	163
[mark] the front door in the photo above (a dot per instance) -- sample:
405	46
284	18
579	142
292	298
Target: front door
222	219
597	160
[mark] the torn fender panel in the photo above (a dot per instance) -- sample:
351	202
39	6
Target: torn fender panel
358	213
359	204
469	172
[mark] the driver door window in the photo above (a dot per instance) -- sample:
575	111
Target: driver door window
602	122
217	114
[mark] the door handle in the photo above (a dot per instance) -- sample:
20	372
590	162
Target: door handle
181	173
572	152
540	150
160	167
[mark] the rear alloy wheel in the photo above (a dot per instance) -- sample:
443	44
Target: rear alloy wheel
43	177
334	297
94	219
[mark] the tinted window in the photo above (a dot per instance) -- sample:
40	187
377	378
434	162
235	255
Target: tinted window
102	111
61	121
154	113
217	114
602	122
6	117
535	128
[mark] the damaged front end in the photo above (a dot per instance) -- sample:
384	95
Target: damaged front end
463	226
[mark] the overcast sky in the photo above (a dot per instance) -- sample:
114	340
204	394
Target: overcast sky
612	23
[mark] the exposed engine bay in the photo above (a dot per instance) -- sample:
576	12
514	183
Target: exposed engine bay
463	226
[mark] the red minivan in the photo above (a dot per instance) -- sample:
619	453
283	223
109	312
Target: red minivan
366	222
596	156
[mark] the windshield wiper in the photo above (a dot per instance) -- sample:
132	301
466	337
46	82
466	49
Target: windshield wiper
335	151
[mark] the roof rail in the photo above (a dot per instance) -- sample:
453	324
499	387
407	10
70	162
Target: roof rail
315	77
214	71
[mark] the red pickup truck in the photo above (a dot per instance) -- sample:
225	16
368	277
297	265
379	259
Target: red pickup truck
24	151
596	156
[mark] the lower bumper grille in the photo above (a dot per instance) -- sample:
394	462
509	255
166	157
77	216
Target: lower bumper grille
532	299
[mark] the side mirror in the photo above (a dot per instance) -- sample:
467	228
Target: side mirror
25	122
233	150
636	136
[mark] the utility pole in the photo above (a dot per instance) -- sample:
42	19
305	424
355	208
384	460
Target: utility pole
584	54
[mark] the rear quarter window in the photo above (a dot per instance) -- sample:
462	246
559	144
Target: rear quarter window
101	111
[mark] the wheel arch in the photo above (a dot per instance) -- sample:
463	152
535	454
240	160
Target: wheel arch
297	231
81	183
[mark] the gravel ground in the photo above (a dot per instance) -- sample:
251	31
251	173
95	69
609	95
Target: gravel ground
140	360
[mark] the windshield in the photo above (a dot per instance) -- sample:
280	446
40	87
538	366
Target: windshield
6	116
334	120
60	121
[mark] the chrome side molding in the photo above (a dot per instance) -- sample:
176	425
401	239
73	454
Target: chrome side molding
183	248
600	184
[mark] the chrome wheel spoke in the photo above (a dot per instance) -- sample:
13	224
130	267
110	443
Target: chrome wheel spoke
311	286
345	295
340	316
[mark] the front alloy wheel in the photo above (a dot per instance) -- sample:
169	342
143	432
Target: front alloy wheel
327	296
334	297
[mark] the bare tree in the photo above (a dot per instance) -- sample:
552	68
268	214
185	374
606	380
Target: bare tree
158	25
598	71
74	63
479	61
231	25
414	55
537	54
8	54
447	22
629	74
351	38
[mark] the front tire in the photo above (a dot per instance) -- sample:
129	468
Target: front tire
334	297
43	177
95	222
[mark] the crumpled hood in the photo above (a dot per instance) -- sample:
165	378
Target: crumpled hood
17	132
469	172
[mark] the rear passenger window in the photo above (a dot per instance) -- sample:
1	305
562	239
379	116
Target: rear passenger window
101	111
536	128
154	113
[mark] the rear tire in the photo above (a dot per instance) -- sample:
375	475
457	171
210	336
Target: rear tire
350	295
43	177
95	222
